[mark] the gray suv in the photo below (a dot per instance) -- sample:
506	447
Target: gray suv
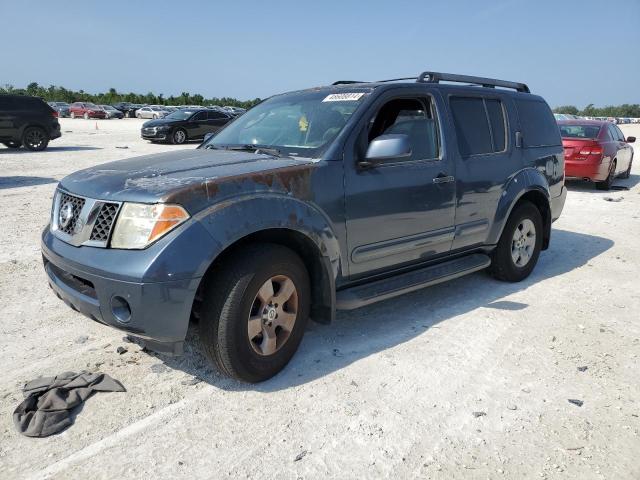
312	201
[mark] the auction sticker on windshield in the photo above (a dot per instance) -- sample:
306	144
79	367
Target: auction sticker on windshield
343	97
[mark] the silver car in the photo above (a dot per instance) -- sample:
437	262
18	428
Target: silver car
151	112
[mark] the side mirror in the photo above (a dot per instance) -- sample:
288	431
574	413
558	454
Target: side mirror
631	139
385	148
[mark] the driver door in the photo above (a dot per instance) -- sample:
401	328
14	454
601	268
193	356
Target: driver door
401	211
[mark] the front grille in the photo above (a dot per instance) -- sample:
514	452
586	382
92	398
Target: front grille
104	222
76	203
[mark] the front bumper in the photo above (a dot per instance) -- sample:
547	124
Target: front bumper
154	134
157	312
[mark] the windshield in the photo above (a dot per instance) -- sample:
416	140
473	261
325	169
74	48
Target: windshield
579	131
179	115
91	105
296	123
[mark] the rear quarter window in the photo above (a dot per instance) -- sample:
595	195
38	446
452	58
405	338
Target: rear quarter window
537	123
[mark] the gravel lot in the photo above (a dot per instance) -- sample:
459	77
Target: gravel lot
389	390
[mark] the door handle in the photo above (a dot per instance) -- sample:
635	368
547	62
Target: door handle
442	178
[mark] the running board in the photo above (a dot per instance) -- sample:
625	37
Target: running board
361	295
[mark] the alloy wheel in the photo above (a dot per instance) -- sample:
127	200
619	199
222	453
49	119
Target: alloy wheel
523	243
273	315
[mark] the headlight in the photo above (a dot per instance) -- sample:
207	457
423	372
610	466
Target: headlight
140	224
163	127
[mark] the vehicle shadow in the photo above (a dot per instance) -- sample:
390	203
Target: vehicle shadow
70	148
360	333
618	184
20	181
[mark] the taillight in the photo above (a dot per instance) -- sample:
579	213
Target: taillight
55	114
595	150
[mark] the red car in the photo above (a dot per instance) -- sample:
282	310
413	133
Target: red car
595	150
86	110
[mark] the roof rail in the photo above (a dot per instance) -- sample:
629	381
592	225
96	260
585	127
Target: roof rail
346	82
437	77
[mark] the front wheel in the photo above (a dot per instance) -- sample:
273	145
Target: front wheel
35	139
73	115
519	246
255	312
627	172
179	136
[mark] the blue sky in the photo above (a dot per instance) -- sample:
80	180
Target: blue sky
571	52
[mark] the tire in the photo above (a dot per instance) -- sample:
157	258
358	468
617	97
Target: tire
72	115
85	116
155	117
504	264
233	297
627	172
138	115
179	136
606	184
35	139
13	144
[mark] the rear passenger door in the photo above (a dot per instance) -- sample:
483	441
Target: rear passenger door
485	161
625	151
215	121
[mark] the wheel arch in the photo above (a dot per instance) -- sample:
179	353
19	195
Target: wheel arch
283	221
528	185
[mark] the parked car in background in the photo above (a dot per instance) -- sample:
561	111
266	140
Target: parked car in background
595	150
151	112
112	112
184	125
127	109
61	107
317	200
235	110
86	110
27	121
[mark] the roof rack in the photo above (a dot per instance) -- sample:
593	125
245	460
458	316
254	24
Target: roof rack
437	77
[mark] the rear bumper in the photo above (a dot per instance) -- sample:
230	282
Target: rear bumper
594	171
157	312
557	204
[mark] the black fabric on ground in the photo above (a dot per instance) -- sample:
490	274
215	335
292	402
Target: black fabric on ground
49	401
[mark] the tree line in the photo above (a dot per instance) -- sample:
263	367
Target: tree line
625	110
61	94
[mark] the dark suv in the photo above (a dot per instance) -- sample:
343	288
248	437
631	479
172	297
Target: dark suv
27	121
312	201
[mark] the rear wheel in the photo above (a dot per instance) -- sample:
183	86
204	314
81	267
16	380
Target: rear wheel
179	136
13	144
519	247
35	139
86	116
606	184
255	312
73	115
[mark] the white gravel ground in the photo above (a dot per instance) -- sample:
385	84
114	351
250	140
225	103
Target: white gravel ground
387	391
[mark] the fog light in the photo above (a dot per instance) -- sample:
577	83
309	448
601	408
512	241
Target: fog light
121	309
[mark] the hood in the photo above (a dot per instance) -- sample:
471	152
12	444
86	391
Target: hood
160	122
192	178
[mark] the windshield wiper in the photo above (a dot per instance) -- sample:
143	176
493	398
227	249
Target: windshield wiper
255	149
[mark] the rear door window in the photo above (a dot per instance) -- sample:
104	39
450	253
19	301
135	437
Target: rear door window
539	127
480	125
